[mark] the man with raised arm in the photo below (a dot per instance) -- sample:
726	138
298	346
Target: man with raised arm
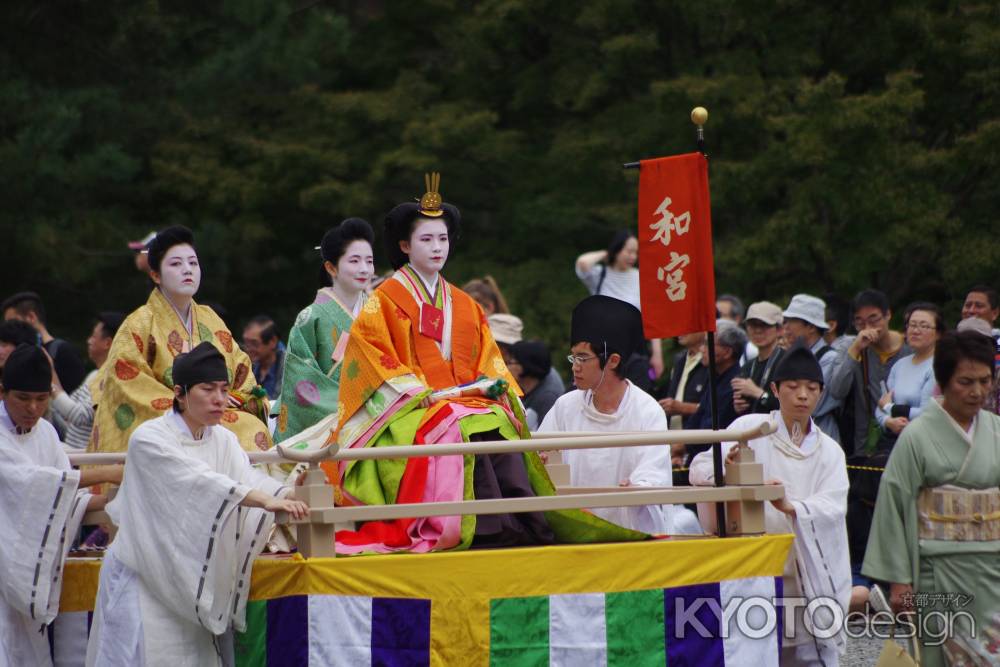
43	504
192	514
810	465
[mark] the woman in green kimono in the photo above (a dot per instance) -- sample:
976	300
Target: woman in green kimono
936	531
316	344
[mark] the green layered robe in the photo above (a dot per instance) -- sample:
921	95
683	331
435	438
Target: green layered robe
310	386
932	452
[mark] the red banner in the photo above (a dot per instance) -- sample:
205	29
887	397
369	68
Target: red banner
676	268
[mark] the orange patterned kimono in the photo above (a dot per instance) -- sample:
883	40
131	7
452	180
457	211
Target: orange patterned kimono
136	383
389	369
385	346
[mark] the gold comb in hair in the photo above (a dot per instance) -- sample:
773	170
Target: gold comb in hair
430	203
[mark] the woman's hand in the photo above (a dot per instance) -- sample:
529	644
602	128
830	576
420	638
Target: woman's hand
896	424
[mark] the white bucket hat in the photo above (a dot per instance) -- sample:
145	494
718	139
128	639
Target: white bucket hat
809	309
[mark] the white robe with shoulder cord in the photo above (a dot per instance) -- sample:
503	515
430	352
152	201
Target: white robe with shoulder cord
177	576
42	510
815	479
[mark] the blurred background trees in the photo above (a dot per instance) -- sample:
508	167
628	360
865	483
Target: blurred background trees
852	144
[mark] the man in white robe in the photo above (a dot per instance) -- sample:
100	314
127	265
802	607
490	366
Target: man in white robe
810	465
43	501
192	514
605	331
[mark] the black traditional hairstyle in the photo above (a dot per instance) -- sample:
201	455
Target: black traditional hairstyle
336	240
401	220
164	241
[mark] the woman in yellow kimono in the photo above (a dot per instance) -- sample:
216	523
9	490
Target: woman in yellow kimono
421	367
136	383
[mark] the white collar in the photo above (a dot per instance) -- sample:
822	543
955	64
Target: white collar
8	424
183	431
783	442
591	412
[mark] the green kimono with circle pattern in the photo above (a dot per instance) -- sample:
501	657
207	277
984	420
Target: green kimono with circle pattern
311	381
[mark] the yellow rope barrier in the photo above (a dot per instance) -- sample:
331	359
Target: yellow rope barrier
850	467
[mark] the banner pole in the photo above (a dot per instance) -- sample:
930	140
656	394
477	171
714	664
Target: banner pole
699	116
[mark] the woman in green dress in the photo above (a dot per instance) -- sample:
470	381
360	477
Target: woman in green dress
935	536
316	344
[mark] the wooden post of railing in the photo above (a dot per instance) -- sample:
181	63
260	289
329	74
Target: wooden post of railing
315	539
744	517
558	471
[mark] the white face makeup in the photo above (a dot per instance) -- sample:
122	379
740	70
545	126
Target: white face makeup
180	272
356	267
428	246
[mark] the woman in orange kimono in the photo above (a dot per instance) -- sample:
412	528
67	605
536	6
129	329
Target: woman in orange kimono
421	367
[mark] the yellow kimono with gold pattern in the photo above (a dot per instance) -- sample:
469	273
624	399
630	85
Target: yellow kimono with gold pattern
136	380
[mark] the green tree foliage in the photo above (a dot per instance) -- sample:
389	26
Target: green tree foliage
852	144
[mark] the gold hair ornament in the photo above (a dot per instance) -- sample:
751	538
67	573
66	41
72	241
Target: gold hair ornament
430	203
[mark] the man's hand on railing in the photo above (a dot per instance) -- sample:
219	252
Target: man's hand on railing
295	508
97	503
733	453
782	504
102	475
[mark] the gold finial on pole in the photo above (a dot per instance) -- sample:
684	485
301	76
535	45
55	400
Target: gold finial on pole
699	116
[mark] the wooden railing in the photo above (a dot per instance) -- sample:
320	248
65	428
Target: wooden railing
744	496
